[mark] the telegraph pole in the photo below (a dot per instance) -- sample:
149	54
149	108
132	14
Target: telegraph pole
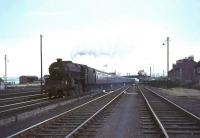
168	57
5	71
167	60
41	63
150	71
163	72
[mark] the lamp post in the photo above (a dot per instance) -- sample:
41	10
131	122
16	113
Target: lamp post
167	59
150	72
41	62
5	71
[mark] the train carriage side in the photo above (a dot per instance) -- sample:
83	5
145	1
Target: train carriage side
101	80
108	80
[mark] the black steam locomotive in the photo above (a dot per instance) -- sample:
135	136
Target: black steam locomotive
70	79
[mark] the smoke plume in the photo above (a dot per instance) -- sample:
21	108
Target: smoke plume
90	52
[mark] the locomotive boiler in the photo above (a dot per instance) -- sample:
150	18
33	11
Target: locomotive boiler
71	79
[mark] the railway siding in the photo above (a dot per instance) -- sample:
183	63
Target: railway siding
39	109
127	117
187	98
18	125
173	120
81	113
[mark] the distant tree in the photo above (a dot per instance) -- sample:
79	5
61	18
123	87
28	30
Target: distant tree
141	73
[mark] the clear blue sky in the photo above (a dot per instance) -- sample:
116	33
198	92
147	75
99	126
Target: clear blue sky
120	28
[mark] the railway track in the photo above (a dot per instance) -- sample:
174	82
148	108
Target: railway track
18	104
148	125
190	102
71	122
14	99
18	92
171	119
12	104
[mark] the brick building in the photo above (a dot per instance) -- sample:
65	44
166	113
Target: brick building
184	71
198	74
27	79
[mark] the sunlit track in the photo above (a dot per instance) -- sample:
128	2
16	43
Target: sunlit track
23	107
19	97
26	103
19	93
68	123
173	120
15	97
20	103
13	93
191	103
12	105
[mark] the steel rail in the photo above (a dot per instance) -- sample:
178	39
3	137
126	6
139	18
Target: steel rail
7	105
177	106
18	93
100	110
21	107
154	115
13	98
33	126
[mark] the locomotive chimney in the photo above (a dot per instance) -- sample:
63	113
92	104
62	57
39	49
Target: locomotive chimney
59	59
